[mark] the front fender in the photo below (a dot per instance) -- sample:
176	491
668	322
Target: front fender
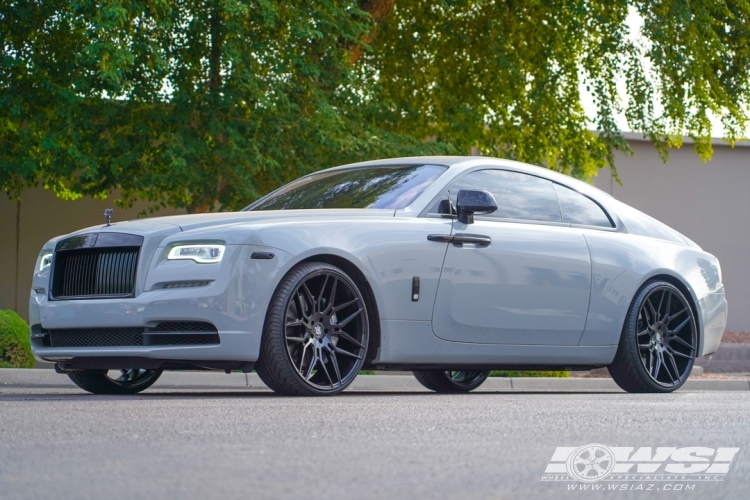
389	252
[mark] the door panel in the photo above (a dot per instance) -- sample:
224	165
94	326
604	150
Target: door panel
530	285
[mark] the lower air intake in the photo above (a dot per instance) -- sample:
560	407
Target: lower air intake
96	337
166	333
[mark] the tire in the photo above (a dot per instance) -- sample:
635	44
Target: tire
659	341
451	381
306	348
130	381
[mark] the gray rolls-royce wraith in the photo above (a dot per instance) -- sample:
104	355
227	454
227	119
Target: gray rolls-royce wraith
446	266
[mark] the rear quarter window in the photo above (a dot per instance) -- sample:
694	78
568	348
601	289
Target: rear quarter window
578	209
636	222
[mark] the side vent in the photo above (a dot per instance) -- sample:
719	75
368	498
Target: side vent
186	284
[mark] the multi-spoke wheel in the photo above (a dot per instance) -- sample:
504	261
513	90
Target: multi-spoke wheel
130	381
451	381
316	332
659	341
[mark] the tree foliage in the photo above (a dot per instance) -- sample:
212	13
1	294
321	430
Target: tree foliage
211	103
507	76
188	103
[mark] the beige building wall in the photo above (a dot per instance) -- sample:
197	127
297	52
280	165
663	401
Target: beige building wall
707	202
27	225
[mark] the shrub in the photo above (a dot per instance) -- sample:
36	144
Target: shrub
529	373
15	348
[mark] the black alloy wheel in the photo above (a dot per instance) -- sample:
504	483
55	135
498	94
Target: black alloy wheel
451	381
129	381
659	341
316	333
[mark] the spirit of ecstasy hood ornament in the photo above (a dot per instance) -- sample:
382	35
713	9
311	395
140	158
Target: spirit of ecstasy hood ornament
108	215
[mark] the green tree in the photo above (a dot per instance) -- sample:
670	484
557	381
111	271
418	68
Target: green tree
507	75
187	103
206	103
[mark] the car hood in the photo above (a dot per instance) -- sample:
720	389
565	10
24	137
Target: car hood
156	229
191	222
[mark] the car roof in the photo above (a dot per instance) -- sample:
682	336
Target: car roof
448	161
460	163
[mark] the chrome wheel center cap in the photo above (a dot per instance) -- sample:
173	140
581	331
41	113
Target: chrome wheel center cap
318	330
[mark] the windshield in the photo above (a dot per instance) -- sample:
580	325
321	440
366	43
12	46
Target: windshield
391	187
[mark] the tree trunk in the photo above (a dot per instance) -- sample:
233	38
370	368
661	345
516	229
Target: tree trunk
379	10
215	82
217	40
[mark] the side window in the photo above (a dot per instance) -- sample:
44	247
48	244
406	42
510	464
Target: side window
519	196
577	209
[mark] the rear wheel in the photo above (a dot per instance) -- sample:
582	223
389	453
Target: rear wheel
130	381
451	381
316	332
659	341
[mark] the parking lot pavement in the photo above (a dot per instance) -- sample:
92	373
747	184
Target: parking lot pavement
389	383
58	442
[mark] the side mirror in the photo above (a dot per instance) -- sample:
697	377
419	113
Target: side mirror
470	202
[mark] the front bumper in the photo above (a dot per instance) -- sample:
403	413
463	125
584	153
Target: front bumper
713	317
235	302
239	336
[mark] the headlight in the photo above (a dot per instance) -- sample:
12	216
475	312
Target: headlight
45	260
203	254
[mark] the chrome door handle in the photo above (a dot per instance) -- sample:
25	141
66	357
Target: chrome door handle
478	239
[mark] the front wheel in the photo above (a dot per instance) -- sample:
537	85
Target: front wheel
316	332
451	381
659	341
130	381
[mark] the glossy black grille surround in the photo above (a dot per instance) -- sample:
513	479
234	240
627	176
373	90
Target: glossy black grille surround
163	334
95	265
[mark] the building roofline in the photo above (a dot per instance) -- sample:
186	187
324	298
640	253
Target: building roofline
715	141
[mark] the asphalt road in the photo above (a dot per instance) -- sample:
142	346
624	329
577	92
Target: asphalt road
183	444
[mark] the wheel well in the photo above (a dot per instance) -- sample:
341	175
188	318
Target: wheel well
689	296
359	279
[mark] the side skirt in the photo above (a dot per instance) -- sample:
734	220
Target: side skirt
412	344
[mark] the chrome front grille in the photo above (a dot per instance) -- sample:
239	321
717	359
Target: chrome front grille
94	272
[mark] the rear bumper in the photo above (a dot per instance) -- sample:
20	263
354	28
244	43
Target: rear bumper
713	316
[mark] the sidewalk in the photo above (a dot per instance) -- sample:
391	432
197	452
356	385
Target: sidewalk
43	378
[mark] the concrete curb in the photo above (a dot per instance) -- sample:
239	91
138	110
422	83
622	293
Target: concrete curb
43	378
728	358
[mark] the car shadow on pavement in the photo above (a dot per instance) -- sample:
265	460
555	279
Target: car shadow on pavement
200	393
